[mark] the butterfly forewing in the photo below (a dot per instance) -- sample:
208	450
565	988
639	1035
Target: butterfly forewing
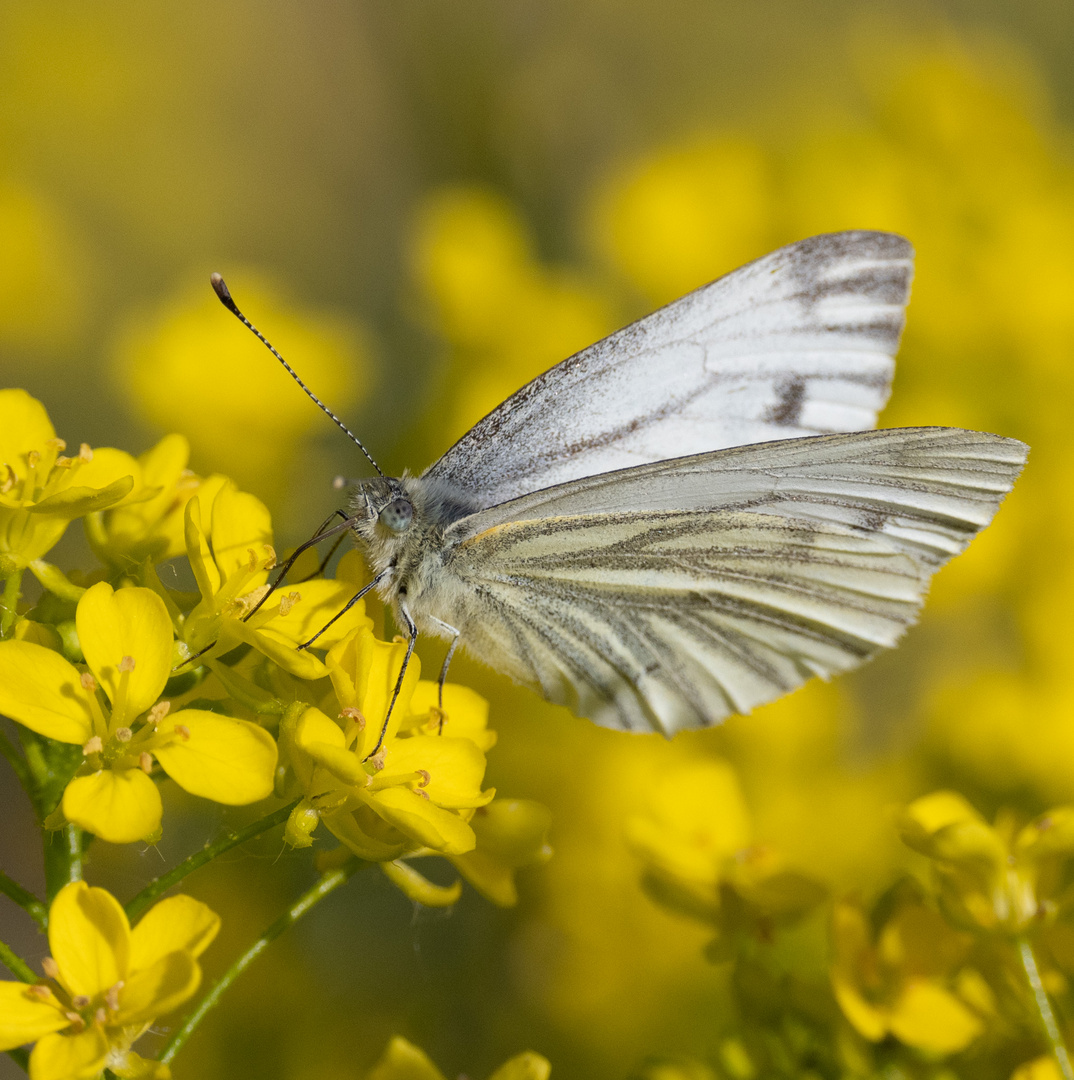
675	595
797	343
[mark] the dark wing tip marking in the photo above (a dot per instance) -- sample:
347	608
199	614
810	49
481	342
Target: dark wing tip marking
787	410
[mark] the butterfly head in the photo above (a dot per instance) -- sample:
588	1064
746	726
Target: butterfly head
383	508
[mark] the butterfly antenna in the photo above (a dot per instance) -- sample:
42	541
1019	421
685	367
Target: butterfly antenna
222	291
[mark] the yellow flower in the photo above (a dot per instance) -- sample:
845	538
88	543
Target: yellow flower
507	316
895	984
416	791
229	544
111	711
996	878
509	834
402	1060
106	984
694	837
1042	1068
41	490
411	790
149	525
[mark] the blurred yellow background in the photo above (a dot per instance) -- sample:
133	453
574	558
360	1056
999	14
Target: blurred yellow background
423	205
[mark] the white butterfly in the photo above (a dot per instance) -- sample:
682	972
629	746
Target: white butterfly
686	520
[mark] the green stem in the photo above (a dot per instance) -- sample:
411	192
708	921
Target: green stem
25	899
17	762
9	601
1044	1007
328	883
16	965
229	840
63	859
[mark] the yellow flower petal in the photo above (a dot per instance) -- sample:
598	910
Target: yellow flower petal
74	502
198	552
128	1065
69	1057
424	820
420	889
349	828
226	760
527	1066
118	805
314	727
345	765
930	1018
26	537
404	1061
302	664
348	664
159	988
128	622
24	1018
89	936
319	602
42	691
385	659
179	922
105	467
466	712
24	426
455	767
240	523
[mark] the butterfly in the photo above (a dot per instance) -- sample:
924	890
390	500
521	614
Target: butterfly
690	518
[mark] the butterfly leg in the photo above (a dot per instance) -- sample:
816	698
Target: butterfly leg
323	533
350	603
412	636
455	634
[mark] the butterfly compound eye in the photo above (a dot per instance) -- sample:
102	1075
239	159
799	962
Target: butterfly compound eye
397	515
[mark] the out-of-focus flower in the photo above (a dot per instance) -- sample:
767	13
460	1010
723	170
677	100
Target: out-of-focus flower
229	544
683	217
42	274
510	834
896	981
149	525
695	840
992	878
1042	1068
402	1060
112	712
41	490
506	316
191	367
105	984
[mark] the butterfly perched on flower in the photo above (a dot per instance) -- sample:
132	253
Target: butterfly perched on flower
691	518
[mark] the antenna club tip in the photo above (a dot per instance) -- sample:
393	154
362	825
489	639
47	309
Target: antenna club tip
221	290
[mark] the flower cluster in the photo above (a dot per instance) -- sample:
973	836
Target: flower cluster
397	787
694	838
111	668
118	682
105	984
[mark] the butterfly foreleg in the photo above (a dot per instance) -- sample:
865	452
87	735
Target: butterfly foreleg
412	636
350	603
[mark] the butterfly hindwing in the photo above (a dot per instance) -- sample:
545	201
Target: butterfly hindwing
804	558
